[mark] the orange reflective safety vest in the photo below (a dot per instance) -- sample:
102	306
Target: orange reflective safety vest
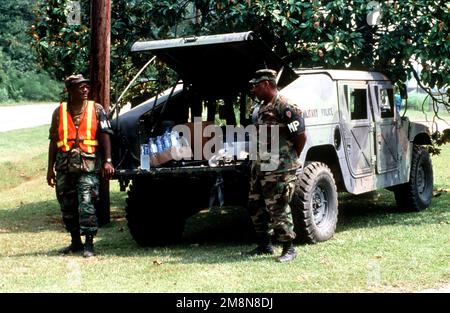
86	133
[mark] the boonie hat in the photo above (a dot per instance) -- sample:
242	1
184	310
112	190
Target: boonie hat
264	74
75	80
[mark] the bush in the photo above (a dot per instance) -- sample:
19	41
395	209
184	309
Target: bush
3	95
30	86
415	101
39	87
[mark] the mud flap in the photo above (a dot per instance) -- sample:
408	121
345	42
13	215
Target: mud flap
217	192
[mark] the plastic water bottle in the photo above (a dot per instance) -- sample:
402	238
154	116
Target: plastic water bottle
159	144
166	141
145	157
153	146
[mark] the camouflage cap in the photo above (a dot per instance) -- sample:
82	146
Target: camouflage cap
264	74
75	80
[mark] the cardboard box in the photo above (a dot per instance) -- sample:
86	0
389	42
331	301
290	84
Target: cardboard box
196	139
174	153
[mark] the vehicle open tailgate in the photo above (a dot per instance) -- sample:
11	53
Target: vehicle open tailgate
217	63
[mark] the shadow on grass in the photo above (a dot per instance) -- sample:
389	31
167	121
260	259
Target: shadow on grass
227	225
220	237
210	237
38	217
233	225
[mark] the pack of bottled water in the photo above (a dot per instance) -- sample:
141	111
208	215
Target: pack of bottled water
164	142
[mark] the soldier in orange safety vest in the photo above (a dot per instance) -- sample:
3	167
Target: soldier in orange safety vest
79	151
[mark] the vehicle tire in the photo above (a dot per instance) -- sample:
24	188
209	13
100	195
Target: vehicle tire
416	195
315	204
153	219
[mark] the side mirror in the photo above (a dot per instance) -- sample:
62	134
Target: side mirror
403	91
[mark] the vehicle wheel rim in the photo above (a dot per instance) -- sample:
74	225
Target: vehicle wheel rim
319	203
421	180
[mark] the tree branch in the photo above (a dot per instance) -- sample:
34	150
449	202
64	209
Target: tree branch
435	101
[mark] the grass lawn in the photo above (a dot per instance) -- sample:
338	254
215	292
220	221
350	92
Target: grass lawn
375	248
418	115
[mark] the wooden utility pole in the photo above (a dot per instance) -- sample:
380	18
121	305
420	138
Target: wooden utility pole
100	50
100	80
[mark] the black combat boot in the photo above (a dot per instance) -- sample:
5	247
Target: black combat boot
264	246
75	246
89	246
288	253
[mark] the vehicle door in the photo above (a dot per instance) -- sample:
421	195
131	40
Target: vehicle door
357	127
386	136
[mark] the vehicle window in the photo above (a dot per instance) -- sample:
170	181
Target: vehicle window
309	90
357	102
386	103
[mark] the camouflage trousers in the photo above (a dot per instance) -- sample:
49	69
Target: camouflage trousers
268	205
77	194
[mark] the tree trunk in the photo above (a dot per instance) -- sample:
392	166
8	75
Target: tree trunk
100	81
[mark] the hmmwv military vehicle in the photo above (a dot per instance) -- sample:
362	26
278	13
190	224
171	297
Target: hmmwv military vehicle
357	142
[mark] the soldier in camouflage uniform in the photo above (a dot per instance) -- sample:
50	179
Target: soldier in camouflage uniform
77	128
272	186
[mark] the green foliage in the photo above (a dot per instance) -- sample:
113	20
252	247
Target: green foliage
21	77
34	85
420	33
439	139
15	19
62	48
34	88
333	34
336	34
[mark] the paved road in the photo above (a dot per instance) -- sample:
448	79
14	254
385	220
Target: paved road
24	116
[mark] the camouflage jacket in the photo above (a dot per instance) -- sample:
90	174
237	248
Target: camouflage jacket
285	116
